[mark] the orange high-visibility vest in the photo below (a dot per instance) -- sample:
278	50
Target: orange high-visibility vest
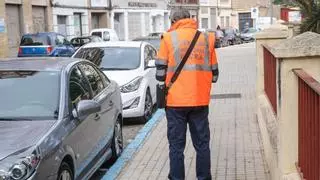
193	86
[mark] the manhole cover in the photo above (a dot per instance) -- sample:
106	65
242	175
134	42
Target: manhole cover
225	96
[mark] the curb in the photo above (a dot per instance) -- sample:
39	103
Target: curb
133	147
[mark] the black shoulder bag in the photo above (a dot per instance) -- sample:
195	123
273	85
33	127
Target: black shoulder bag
162	90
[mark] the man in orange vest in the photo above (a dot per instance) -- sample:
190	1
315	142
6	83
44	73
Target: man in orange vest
189	96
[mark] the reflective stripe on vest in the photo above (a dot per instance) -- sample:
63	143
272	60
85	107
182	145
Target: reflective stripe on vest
192	67
175	43
206	56
189	67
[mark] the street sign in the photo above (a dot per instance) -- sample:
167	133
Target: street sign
2	25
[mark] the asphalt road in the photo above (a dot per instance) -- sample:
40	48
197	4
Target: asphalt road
130	130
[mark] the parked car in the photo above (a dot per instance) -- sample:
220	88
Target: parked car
232	36
45	44
132	66
248	34
62	118
106	34
80	41
154	40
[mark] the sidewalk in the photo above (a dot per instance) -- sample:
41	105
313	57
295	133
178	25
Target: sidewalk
236	149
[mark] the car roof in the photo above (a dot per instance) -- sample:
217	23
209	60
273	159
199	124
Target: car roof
36	64
84	37
147	38
41	33
102	29
114	44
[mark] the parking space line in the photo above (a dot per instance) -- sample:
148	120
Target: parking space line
133	147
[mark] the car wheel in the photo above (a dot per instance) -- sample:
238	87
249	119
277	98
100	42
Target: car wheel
148	107
65	172
117	140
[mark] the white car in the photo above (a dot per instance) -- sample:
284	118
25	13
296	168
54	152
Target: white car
132	66
105	33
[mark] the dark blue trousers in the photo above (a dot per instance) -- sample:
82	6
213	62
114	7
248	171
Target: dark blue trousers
197	118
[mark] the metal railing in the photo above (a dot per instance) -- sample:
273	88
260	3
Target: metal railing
308	126
270	77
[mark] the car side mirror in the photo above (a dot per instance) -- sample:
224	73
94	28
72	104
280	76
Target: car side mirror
151	64
85	108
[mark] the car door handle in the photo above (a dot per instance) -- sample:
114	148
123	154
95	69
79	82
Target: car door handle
97	117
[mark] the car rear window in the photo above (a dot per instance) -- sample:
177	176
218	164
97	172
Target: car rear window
96	34
29	94
35	40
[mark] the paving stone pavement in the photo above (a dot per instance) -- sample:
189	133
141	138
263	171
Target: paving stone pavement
236	146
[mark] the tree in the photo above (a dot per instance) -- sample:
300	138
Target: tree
285	2
310	10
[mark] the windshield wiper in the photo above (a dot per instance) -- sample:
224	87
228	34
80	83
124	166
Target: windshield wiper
114	69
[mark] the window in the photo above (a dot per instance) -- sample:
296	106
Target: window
29	94
204	23
227	21
77	24
204	10
222	21
112	58
62	24
106	36
149	54
60	40
105	80
78	87
93	77
96	34
35	39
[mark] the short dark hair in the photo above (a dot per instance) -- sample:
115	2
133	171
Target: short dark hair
178	14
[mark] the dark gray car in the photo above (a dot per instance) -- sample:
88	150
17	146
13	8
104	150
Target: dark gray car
60	119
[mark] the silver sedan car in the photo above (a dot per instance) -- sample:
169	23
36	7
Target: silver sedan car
60	119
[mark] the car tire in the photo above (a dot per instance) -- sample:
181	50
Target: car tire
117	141
148	107
65	172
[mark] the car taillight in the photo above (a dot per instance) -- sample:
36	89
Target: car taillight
20	50
49	49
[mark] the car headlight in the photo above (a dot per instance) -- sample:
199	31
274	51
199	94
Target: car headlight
22	170
132	85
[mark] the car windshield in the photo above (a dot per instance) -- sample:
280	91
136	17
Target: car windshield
80	41
154	42
112	58
29	95
35	39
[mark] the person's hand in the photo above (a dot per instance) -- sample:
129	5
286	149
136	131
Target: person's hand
215	79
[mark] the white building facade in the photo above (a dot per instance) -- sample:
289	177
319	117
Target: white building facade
215	13
70	18
135	18
74	18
